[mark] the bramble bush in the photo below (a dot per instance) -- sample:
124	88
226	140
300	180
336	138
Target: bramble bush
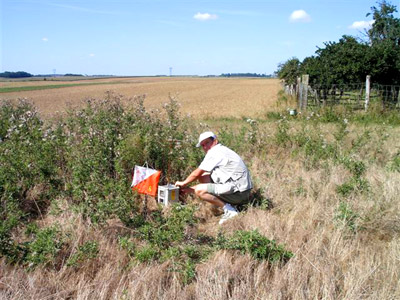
28	162
29	174
106	140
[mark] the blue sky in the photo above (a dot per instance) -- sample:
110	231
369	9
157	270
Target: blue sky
140	37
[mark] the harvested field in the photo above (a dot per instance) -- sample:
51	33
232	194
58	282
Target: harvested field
199	97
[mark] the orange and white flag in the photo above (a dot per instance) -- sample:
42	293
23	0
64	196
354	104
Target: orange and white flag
145	180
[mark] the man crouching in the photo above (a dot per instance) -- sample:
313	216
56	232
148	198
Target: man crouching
224	178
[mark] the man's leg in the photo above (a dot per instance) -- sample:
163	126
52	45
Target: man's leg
205	178
201	192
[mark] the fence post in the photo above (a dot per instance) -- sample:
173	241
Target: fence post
298	93
367	91
398	98
304	79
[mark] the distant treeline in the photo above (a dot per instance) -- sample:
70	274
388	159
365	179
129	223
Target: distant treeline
71	74
22	74
19	74
244	75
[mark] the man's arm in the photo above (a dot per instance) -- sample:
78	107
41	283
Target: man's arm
192	177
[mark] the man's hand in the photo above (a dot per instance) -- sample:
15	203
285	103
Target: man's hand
192	177
181	184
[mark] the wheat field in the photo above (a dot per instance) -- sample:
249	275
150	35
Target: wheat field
199	97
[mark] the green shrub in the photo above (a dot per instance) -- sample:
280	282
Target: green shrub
29	174
85	252
28	162
394	163
171	253
253	133
166	231
9	248
128	245
188	271
354	184
314	146
329	114
44	247
272	115
357	168
232	139
282	136
346	217
257	245
147	253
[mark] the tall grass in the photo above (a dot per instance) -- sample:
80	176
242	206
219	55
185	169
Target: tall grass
323	224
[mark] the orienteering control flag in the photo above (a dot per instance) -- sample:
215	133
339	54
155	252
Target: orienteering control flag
145	180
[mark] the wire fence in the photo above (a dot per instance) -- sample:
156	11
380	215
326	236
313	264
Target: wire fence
350	94
357	95
388	94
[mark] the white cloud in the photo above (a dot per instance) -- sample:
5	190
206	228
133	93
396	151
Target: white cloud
45	39
91	55
205	17
300	16
361	25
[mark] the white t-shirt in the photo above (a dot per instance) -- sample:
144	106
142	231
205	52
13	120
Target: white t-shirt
225	166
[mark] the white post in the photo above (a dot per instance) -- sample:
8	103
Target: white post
398	99
367	91
298	89
304	81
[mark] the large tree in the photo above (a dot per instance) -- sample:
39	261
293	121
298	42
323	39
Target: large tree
338	63
384	37
386	28
289	70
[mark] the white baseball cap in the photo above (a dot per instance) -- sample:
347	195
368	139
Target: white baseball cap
205	135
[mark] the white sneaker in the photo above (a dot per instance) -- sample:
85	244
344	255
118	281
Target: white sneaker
229	213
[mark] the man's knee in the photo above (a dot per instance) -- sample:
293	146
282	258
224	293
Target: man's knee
200	190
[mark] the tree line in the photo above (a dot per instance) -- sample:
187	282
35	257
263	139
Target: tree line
22	74
352	58
244	75
19	74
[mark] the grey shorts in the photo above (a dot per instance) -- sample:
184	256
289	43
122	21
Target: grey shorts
223	192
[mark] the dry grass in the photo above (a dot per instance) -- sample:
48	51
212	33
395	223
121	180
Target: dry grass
199	97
